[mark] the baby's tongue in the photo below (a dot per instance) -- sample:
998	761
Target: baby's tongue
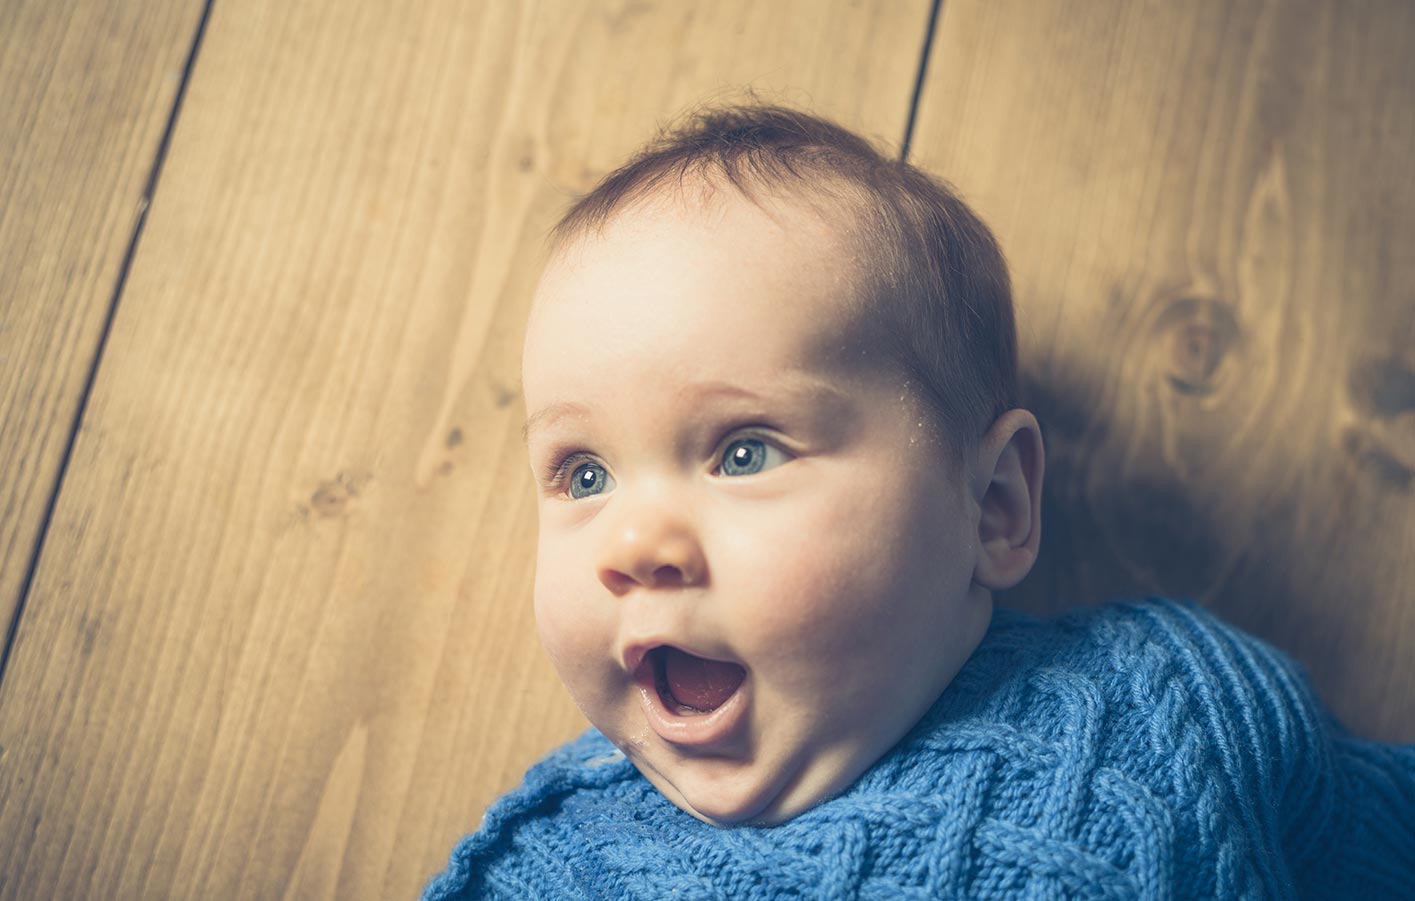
701	684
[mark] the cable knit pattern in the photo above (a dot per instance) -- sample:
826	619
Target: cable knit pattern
1138	751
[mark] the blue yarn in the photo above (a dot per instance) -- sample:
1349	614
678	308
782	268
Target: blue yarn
1140	750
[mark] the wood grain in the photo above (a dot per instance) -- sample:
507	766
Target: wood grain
279	642
1208	210
88	89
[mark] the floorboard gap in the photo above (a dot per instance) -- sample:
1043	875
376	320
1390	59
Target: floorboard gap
144	204
934	12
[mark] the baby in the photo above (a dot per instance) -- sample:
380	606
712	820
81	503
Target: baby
770	383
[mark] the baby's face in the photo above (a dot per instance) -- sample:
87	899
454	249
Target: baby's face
755	562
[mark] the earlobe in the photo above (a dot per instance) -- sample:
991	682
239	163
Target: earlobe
1010	464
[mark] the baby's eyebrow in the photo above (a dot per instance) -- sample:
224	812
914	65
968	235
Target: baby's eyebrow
554	411
800	387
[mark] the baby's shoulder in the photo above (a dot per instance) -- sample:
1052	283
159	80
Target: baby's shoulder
1144	685
1151	672
1141	640
1136	738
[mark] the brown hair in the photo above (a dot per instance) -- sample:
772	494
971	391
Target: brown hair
938	286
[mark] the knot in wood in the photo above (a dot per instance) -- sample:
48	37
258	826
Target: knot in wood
1195	336
1382	391
333	496
1383	388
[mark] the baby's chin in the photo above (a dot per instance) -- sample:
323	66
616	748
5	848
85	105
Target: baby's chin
751	797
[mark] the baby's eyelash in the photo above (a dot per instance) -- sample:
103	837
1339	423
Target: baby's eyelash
554	474
764	434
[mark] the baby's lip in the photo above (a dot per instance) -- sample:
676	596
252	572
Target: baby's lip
710	730
635	654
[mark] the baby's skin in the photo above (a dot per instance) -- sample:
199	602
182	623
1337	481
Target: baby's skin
759	562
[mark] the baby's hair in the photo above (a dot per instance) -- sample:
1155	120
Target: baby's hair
937	284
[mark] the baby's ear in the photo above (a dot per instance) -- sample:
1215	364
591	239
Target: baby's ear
1008	489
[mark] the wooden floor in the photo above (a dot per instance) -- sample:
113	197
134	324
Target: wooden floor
267	537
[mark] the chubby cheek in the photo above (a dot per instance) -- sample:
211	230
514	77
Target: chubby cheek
861	590
572	632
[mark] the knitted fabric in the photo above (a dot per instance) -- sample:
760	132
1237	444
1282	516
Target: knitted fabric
1141	750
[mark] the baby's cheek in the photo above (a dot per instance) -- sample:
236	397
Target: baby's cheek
816	580
569	633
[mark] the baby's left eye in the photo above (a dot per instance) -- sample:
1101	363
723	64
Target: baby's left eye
746	456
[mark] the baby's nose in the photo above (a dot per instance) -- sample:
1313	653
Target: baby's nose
652	548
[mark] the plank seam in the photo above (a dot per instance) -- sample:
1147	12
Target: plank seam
934	12
144	204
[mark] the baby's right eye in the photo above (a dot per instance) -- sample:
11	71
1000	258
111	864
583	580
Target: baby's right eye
589	479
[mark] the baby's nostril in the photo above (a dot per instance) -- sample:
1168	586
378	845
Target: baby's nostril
618	583
668	576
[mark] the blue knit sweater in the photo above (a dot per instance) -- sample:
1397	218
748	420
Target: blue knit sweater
1142	750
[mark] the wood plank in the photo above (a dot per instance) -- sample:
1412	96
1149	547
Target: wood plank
291	654
88	91
1208	210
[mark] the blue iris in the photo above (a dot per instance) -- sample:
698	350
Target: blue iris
589	479
744	457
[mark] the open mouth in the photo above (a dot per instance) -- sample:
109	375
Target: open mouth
690	685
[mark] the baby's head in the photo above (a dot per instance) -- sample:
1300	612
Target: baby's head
770	383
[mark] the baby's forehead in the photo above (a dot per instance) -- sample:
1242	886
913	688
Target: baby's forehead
738	365
714	239
686	270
